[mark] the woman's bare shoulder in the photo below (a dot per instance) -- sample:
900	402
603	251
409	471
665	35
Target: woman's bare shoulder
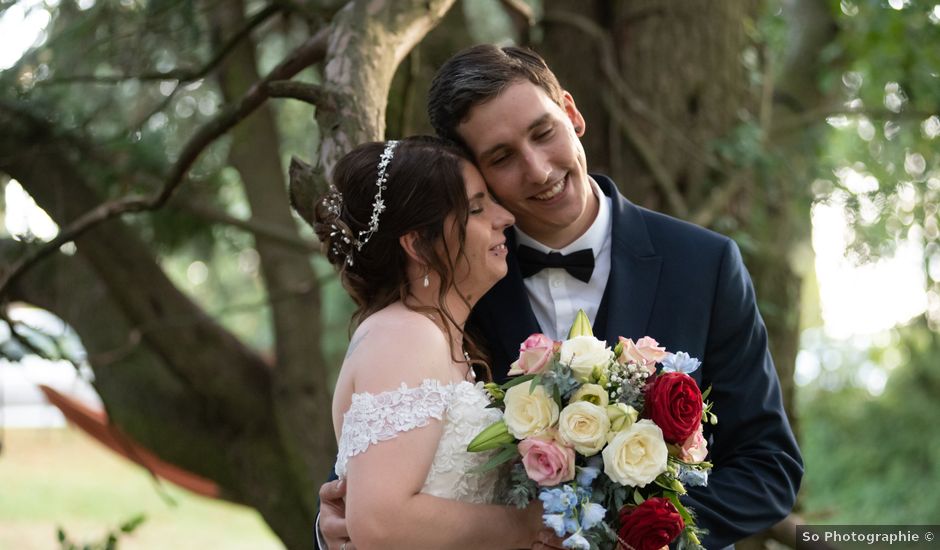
396	345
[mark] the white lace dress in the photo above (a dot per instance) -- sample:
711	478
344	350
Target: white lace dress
461	407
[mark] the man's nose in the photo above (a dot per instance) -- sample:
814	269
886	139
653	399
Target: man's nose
537	167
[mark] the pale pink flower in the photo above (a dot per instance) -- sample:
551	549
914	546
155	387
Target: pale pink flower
534	355
645	351
694	449
546	461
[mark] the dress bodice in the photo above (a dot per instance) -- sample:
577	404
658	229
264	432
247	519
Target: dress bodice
462	409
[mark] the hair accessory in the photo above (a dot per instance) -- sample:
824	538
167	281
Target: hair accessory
334	205
378	205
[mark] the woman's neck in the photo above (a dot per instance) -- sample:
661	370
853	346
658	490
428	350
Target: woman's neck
450	319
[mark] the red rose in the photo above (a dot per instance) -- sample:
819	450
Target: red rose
651	525
674	403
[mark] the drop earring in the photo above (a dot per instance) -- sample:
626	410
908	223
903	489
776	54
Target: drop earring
426	282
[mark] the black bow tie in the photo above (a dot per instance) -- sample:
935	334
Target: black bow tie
580	264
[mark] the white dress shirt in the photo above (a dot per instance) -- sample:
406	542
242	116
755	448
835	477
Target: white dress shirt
555	295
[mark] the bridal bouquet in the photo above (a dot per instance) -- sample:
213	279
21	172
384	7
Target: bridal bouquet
607	443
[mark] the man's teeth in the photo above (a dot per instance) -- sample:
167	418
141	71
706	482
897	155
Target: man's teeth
554	190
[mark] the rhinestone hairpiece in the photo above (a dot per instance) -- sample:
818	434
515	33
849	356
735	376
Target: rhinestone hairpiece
378	205
334	205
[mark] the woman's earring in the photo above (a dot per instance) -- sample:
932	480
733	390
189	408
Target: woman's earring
426	282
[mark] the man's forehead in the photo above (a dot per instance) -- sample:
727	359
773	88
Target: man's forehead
513	113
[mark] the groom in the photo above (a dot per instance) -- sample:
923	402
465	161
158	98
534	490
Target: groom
578	244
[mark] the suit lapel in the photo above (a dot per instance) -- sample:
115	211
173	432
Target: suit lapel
634	269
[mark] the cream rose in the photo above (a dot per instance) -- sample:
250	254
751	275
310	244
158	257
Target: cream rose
528	412
584	426
592	393
583	354
636	456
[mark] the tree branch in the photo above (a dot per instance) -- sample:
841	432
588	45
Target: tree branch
313	94
274	233
522	16
648	156
812	117
308	53
180	75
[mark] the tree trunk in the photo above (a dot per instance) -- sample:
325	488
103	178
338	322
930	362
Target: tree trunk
300	389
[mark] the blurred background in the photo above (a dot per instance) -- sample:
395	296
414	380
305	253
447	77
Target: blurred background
157	287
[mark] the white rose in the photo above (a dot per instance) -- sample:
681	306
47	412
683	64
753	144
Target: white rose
636	456
528	413
584	426
583	353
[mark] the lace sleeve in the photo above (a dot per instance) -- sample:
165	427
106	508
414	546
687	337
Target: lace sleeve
380	417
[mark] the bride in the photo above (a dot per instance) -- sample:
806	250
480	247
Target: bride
417	240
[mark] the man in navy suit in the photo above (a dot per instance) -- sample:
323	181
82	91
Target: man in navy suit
579	244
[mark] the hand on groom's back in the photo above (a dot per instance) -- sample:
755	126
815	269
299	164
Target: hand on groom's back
333	515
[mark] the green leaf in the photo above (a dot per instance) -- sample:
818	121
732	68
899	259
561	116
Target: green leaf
517	381
508	453
707	391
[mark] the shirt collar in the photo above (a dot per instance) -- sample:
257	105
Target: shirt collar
594	238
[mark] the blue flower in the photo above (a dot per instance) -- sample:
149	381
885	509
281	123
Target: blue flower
592	514
571	524
577	541
680	362
559	500
693	478
556	522
587	475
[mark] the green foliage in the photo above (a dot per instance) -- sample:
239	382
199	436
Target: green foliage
882	165
867	455
109	542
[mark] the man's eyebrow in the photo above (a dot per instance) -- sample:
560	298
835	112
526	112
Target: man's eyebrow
535	123
538	122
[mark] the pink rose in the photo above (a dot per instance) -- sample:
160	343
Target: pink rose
546	461
694	448
534	354
645	351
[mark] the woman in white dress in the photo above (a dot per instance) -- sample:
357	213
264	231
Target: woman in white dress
417	239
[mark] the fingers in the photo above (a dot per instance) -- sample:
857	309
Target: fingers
333	490
333	528
547	540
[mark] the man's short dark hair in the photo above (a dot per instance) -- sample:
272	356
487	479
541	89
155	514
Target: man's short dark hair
480	73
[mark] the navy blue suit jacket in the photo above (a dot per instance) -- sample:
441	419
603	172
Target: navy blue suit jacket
687	287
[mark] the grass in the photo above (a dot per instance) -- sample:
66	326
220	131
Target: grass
61	477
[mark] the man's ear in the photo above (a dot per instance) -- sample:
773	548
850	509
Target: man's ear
574	115
409	242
